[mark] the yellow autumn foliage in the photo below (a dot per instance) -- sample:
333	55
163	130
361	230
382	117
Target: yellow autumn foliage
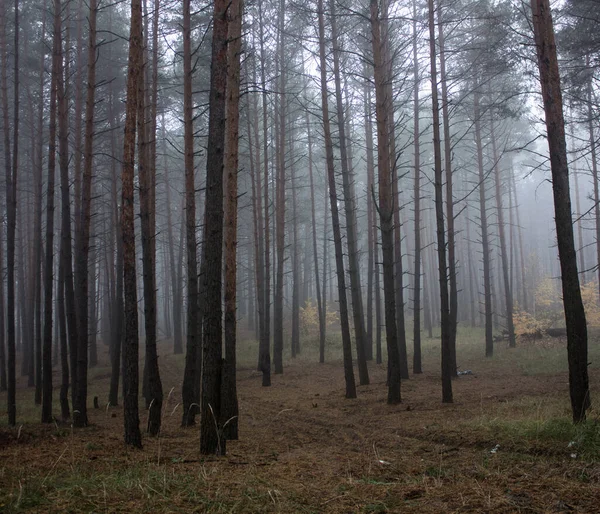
549	309
309	317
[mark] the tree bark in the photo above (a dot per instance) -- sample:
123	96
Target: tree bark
335	220
131	343
417	364
485	246
211	422
453	292
555	127
49	264
193	346
439	215
350	209
386	203
229	399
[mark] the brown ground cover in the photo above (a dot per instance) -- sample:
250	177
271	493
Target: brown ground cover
505	445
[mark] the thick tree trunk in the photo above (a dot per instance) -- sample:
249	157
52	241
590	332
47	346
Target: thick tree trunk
11	212
333	200
211	422
131	343
555	126
439	215
153	385
229	401
83	230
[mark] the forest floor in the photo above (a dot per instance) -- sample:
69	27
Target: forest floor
506	444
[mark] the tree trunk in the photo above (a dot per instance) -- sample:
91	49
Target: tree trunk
131	343
485	246
280	202
229	399
439	215
193	346
320	306
265	343
453	293
11	212
350	210
502	235
335	220
386	205
83	230
49	264
211	422
555	127
153	390
417	364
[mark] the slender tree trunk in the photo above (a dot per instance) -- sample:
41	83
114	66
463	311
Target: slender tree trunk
386	206
453	292
335	220
595	179
175	283
555	127
326	270
417	364
350	210
320	306
280	201
264	351
439	215
485	246
372	229
117	306
193	346
131	343
295	258
49	264
502	235
64	351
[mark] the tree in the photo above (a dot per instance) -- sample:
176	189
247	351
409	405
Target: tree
48	272
83	230
349	204
335	219
547	61
382	110
211	423
229	391
191	374
439	215
131	344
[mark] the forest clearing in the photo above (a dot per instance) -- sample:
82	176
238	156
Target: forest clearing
506	444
